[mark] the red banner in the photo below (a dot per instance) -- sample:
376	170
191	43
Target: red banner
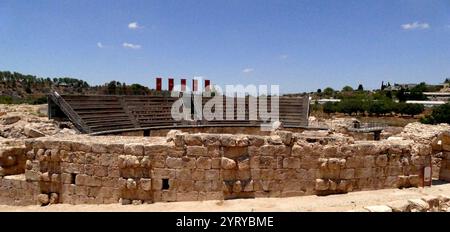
183	84
170	84
159	83
207	85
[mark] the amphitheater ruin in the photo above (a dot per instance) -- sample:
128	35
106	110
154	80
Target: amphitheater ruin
133	152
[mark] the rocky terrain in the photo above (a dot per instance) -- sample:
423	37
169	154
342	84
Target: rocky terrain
29	121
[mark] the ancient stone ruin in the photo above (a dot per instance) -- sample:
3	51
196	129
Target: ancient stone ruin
80	169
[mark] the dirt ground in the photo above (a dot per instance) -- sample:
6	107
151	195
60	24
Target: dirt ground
354	201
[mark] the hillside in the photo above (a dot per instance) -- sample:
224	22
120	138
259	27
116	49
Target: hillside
19	88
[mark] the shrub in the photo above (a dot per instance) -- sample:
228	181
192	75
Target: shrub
329	107
440	114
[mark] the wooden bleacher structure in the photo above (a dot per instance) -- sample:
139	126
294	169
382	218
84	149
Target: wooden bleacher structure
103	113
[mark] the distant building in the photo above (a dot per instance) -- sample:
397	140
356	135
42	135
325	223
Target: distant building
427	103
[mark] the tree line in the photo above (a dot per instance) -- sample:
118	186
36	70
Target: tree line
17	88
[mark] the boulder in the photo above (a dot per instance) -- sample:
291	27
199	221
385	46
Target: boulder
378	208
53	198
7	120
227	163
418	205
32	133
43	199
399	206
322	185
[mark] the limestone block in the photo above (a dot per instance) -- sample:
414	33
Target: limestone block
363	172
322	185
348	173
267	174
145	184
433	201
99	148
235	152
193	140
355	162
228	174
187	196
291	162
227	140
381	160
31	175
216	163
66	178
115	148
134	149
188	162
274	140
285	136
196	151
418	205
369	161
255	140
414	180
172	162
153	150
156	184
274	150
202	186
227	163
211	140
297	150
81	146
100	171
54	198
214	151
244	165
158	161
399	205
43	199
212	175
203	163
169	196
237	186
309	162
267	162
198	174
184	174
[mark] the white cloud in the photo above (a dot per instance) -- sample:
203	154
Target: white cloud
130	45
134	26
247	70
415	25
99	45
283	56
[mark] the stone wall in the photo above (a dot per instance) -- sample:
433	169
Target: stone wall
12	159
210	129
441	148
187	167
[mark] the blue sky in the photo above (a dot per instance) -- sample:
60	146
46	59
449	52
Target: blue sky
300	45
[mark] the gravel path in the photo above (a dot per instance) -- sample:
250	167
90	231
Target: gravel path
354	201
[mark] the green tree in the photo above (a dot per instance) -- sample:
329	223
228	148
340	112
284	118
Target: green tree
329	92
329	107
440	114
347	89
360	88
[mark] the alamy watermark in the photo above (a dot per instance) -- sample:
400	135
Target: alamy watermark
237	102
